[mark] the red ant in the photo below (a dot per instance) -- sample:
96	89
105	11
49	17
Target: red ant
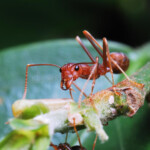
72	71
112	62
66	146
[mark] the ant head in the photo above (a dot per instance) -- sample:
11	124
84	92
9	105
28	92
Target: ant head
69	73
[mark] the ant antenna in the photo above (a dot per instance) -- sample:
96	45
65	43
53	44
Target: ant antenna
26	77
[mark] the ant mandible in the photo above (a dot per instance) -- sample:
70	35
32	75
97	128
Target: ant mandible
112	62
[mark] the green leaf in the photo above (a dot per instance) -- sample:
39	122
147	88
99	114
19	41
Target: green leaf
27	134
16	123
44	82
41	143
26	111
17	139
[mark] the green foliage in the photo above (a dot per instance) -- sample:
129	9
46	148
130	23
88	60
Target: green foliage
34	110
27	134
44	82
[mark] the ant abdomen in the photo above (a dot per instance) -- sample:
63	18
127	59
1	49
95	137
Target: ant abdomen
121	59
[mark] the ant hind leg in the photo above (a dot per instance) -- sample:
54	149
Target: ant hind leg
107	54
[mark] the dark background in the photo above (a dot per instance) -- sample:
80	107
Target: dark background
26	21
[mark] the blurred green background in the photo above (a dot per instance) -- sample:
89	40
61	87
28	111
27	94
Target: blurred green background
26	21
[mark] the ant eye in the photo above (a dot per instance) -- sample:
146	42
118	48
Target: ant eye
76	68
60	70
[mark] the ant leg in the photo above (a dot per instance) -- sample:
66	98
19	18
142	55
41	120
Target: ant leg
85	84
65	146
105	46
131	81
85	49
103	55
92	88
91	39
79	89
121	70
54	146
70	91
94	143
75	129
93	42
26	77
93	84
95	72
106	50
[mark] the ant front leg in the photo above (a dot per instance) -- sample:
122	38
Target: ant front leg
26	76
79	89
70	92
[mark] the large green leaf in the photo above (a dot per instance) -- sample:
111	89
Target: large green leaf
44	82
